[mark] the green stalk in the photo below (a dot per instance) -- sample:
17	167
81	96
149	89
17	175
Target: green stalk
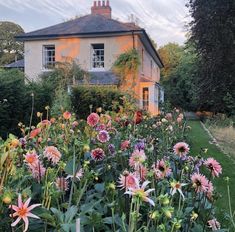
74	174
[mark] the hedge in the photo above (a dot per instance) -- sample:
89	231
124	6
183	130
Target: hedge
84	97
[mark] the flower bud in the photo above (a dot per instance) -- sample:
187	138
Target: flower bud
7	199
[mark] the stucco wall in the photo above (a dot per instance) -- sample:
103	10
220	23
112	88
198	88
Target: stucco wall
75	48
145	68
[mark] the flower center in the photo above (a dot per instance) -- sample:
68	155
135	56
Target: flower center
22	212
178	185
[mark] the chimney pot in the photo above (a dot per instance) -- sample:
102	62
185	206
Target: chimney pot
101	7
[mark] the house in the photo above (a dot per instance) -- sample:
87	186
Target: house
95	41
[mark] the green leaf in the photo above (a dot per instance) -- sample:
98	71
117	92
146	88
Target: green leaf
59	215
70	214
99	187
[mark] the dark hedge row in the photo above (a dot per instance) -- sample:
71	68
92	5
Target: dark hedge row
87	98
16	100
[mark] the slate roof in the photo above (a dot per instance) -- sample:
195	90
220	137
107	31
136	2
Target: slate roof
88	24
16	64
92	26
103	78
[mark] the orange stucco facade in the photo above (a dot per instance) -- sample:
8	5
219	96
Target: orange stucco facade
79	49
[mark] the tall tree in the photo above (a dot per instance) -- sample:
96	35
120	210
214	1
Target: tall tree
213	33
9	47
170	54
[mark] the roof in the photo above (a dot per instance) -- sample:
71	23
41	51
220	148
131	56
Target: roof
16	64
92	26
88	24
103	78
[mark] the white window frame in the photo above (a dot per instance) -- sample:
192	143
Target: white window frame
48	62
99	56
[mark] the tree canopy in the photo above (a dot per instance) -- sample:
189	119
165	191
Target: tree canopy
9	47
213	33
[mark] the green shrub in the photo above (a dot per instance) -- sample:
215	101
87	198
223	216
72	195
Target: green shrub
84	97
16	100
12	97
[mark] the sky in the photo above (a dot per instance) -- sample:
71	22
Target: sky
164	20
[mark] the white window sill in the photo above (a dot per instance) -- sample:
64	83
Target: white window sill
47	70
97	70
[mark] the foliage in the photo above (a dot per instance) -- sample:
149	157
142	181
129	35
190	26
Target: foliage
86	98
170	54
127	64
213	33
179	75
84	166
16	98
9	47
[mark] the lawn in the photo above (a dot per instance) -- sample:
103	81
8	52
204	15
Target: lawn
200	139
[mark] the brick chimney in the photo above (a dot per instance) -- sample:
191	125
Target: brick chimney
101	8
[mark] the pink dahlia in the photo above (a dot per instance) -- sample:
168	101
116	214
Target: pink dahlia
93	119
103	136
200	183
213	166
213	224
141	173
31	158
97	154
62	184
137	158
125	145
127	180
22	211
52	154
161	169
37	170
181	149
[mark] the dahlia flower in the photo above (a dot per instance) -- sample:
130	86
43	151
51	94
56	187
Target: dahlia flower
176	186
140	145
37	170
127	180
97	154
78	175
22	211
125	145
137	158
34	133
181	149
141	173
62	184
200	183
67	115
161	169
52	154
140	193
103	136
214	224
31	158
213	166
93	119
111	148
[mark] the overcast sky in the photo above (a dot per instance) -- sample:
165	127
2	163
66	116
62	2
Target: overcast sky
164	20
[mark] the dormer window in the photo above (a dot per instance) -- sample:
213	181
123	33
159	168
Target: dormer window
97	56
48	57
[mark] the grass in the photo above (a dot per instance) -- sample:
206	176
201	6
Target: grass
200	139
225	136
